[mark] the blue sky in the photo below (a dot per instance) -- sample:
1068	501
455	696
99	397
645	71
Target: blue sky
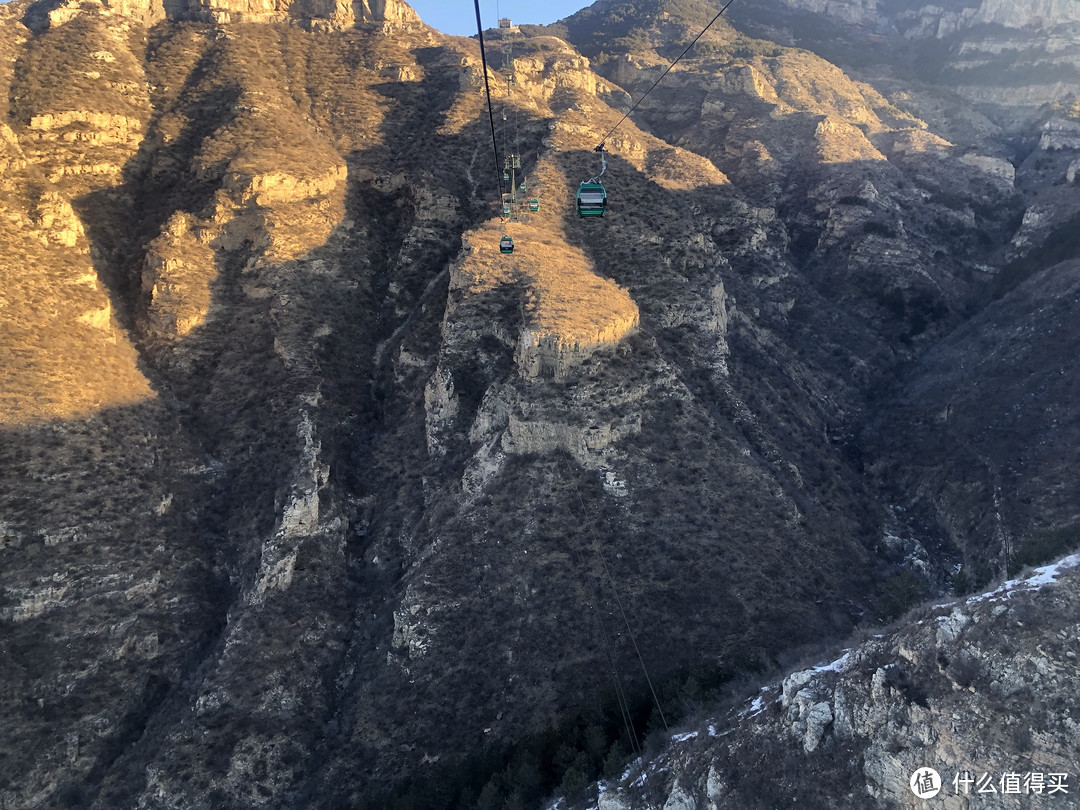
459	17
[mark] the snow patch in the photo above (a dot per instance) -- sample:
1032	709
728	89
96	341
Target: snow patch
613	485
633	766
1046	575
755	708
839	665
688	735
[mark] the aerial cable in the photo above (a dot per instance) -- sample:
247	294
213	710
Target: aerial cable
600	148
603	165
511	134
506	152
516	115
633	640
622	610
487	89
637	750
620	693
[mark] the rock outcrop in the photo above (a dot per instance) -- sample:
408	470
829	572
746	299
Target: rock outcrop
916	19
309	496
1060	134
174	278
568	312
950	690
314	14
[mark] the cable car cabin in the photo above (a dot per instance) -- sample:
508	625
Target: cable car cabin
534	204
506	245
591	200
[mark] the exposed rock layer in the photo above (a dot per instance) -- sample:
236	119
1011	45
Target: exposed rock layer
305	496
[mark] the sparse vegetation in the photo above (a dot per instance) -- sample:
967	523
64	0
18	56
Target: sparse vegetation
1043	547
341	541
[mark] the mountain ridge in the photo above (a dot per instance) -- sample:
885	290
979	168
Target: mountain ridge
311	497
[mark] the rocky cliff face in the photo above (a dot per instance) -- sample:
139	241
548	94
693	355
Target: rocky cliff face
953	691
313	14
311	497
1012	458
1008	58
942	19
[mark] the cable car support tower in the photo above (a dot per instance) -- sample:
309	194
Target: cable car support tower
512	158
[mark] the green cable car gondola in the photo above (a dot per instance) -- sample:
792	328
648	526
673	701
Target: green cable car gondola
534	204
506	245
591	200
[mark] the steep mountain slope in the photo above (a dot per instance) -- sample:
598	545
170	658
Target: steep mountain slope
865	189
310	494
955	690
1009	58
1004	377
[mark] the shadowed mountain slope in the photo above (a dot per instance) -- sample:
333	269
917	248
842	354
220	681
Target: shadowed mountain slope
312	498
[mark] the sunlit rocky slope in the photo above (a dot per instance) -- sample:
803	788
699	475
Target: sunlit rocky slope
312	498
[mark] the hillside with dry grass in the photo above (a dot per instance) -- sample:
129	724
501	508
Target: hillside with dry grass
310	497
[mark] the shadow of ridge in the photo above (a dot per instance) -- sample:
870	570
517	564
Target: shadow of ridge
121	221
114	509
412	134
36	17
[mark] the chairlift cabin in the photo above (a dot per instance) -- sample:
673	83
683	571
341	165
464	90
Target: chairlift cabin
506	245
591	200
534	204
